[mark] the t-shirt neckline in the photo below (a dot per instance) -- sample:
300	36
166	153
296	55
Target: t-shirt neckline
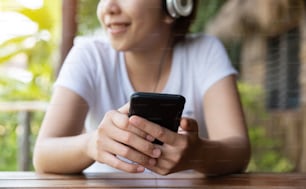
127	85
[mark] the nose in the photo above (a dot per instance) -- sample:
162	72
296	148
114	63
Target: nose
110	6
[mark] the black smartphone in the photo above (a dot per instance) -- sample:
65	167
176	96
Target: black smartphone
163	109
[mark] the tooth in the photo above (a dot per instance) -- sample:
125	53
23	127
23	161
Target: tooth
117	26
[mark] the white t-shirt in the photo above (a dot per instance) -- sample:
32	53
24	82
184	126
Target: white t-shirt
97	72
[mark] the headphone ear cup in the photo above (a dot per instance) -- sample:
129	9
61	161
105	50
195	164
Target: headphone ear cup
178	8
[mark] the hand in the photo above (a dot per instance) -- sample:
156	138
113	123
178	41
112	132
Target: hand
179	151
115	136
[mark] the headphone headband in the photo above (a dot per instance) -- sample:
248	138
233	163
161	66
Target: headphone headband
178	8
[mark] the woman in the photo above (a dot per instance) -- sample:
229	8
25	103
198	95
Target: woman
87	127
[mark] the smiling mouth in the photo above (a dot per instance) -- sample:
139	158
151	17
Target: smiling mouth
117	28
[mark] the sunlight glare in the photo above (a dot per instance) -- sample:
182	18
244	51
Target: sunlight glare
13	24
32	4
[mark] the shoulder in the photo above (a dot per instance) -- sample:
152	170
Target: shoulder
201	47
91	53
92	45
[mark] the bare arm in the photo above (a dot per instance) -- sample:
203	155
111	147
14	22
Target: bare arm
60	143
228	137
62	147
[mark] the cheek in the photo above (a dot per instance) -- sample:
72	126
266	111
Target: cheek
148	18
99	13
147	9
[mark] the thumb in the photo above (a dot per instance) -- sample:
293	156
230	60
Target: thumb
125	108
189	125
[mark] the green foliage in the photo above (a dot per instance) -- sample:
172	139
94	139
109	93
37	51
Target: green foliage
87	18
265	150
40	54
206	11
40	57
252	98
9	138
266	156
8	153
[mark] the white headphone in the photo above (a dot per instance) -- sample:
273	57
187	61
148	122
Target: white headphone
178	8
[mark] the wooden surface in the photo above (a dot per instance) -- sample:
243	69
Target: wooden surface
179	180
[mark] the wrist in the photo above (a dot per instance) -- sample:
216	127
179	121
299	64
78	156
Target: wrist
89	146
204	157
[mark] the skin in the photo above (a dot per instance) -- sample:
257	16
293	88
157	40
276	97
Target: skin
226	151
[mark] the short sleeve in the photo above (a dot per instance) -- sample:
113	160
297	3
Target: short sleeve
77	72
213	63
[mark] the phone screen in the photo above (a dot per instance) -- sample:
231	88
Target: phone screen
163	109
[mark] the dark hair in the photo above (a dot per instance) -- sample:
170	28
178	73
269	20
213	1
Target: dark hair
181	26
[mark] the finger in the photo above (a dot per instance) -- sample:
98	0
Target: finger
153	129
189	125
116	163
127	152
129	135
125	108
162	166
136	142
122	121
169	162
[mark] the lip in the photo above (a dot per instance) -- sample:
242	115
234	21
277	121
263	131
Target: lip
117	28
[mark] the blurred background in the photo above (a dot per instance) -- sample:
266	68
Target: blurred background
264	39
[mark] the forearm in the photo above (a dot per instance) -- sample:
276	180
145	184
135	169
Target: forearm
223	156
62	155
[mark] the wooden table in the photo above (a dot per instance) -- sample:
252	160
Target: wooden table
178	180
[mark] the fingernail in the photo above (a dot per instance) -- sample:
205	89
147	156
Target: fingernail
134	120
140	169
156	152
152	162
150	138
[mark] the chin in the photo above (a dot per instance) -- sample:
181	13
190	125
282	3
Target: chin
122	46
119	46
